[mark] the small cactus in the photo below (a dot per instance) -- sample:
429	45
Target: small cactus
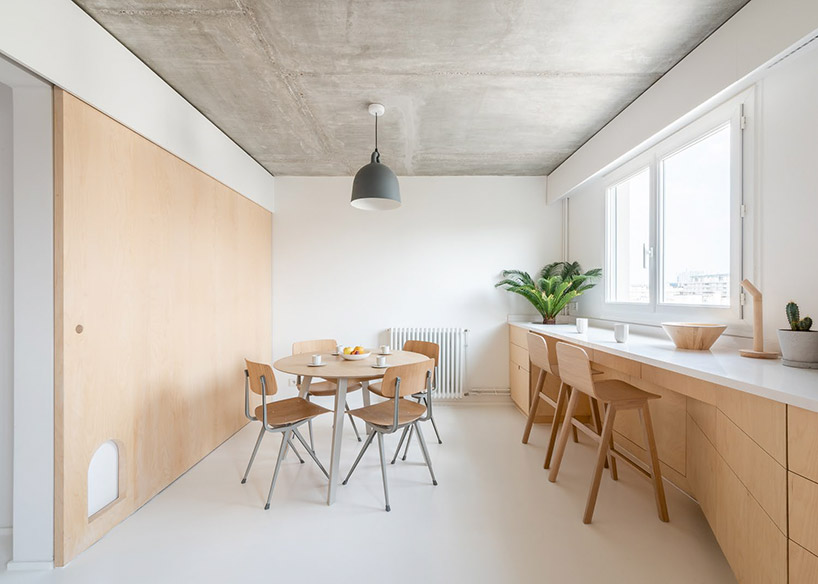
794	317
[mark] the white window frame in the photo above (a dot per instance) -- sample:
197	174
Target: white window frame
738	111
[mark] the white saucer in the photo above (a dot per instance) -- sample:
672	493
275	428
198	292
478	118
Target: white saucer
314	365
385	354
381	366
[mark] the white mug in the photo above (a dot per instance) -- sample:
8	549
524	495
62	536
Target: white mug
385	350
380	360
316	359
621	333
339	349
582	325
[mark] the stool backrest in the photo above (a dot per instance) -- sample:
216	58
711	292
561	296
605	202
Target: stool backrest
316	346
538	353
575	368
255	371
412	378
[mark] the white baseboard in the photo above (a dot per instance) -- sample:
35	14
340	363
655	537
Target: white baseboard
13	566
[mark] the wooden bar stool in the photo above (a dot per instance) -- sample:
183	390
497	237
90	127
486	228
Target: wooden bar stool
540	356
575	370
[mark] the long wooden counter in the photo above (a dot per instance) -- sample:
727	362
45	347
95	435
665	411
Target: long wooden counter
739	435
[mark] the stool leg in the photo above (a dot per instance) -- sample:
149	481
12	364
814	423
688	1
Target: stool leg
602	451
534	400
564	432
596	413
574	434
655	472
552	439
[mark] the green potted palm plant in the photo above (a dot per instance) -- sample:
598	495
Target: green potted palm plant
557	284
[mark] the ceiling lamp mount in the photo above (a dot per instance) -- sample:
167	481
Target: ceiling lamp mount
375	187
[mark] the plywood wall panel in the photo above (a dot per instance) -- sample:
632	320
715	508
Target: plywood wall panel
168	272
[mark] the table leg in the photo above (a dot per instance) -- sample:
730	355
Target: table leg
337	434
365	397
305	386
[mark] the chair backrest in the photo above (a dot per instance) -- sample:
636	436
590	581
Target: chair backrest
575	368
255	371
316	346
412	378
538	353
431	350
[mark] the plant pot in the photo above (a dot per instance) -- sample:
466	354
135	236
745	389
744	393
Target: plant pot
799	348
549	321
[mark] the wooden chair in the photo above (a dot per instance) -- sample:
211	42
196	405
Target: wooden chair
575	370
390	416
431	350
327	387
283	416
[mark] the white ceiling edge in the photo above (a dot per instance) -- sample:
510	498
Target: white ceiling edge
59	42
728	61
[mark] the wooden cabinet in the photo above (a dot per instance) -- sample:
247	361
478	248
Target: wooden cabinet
751	462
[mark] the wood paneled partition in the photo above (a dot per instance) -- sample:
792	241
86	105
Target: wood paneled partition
163	287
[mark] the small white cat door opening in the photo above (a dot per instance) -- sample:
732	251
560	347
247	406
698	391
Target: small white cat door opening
103	477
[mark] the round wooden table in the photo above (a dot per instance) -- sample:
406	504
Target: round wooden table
338	368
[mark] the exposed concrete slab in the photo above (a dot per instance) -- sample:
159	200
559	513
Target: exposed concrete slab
471	87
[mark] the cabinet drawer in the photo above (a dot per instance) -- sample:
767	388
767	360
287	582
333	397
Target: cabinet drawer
804	512
803	565
759	472
519	356
517	336
802	442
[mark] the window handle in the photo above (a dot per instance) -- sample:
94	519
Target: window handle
647	252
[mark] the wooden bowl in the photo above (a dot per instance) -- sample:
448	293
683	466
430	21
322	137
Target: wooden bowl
694	336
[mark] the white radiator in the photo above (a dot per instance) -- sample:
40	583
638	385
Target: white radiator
451	383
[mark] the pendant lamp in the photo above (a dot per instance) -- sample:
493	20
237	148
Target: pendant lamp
375	187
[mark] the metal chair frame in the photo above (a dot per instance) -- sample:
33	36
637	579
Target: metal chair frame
288	431
381	430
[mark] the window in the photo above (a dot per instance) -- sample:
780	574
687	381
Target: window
629	239
674	229
695	225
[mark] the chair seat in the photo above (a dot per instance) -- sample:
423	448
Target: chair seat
383	414
324	388
289	411
615	390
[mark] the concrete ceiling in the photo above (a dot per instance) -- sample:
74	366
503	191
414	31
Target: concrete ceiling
471	87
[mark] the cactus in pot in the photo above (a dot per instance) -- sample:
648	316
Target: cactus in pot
799	345
794	316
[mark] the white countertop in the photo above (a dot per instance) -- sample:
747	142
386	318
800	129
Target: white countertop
722	364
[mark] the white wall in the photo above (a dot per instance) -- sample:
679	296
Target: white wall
785	172
6	304
32	246
61	43
788	179
343	273
730	57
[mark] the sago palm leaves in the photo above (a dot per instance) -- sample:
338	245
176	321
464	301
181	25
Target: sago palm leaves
557	285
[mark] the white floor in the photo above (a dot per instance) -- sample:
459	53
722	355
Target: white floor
493	518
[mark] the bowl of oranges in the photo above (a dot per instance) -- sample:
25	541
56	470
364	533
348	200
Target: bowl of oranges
354	353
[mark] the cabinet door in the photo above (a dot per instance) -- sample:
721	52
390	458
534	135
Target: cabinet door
519	386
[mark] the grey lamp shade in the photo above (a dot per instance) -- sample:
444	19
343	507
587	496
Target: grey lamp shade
375	187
